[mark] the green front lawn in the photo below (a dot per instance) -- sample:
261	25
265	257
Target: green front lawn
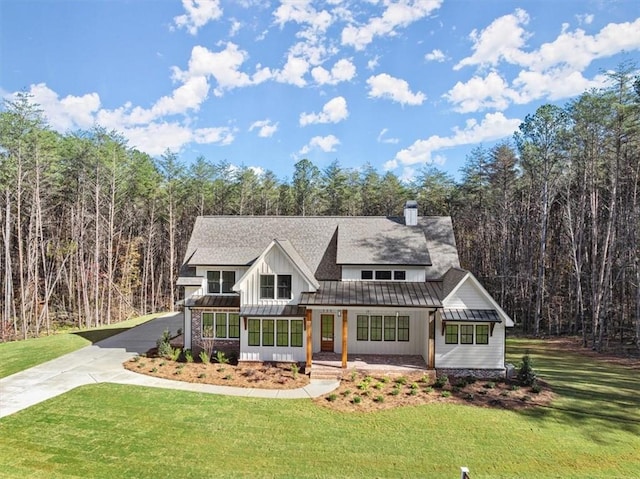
19	355
109	430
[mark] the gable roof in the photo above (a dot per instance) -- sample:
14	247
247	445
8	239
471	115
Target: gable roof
324	243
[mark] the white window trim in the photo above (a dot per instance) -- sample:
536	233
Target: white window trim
392	271
213	329
275	296
221	271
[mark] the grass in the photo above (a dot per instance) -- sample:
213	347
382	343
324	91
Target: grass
19	355
108	430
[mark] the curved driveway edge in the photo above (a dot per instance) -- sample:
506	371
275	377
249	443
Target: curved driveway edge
102	362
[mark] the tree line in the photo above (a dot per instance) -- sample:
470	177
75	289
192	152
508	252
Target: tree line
93	231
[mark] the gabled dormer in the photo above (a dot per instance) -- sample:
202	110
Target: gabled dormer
278	276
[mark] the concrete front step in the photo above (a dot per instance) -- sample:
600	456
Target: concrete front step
320	372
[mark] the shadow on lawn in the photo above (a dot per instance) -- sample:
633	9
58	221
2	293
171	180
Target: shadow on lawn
591	394
99	334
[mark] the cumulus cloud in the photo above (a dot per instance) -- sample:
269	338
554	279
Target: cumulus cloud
325	143
68	113
198	14
302	12
293	71
435	56
492	127
395	89
334	111
396	15
266	128
342	70
478	93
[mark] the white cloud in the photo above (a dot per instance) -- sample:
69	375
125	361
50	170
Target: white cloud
235	27
396	14
435	56
220	135
302	12
395	89
189	96
68	113
373	63
503	39
334	111
479	93
293	72
343	70
266	128
492	127
325	143
198	14
223	66
382	137
586	19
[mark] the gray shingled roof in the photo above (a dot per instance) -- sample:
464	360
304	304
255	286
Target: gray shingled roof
374	293
451	279
325	242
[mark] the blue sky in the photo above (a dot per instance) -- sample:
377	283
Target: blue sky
397	83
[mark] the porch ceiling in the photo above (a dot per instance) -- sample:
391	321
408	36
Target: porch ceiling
375	293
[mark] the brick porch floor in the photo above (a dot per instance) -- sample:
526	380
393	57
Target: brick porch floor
330	364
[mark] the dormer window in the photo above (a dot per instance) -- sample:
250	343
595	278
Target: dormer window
268	288
383	275
220	282
366	274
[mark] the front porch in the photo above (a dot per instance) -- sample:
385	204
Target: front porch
329	365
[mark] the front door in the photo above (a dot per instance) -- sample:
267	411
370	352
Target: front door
326	332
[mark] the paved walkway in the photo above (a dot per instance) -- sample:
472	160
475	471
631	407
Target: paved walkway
102	362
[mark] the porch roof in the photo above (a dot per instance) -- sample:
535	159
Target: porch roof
215	301
273	310
375	293
474	315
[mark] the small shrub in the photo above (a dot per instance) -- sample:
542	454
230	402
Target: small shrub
446	394
489	385
461	383
174	354
441	381
413	392
204	357
332	397
154	370
378	386
353	375
295	369
228	376
395	391
363	385
366	393
515	387
164	345
135	359
188	356
379	399
401	380
385	379
428	390
221	357
220	369
346	392
356	400
469	397
425	379
456	389
536	388
470	380
202	375
415	386
526	374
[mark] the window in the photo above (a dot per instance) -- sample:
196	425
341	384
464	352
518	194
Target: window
220	282
403	328
267	332
282	332
284	286
466	334
383	275
366	274
376	328
213	282
267	286
451	334
362	328
221	325
254	332
399	275
234	326
207	325
389	328
482	334
296	333
228	280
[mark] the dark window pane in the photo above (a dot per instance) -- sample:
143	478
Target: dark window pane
228	280
389	328
267	332
366	274
296	333
234	325
282	332
221	325
399	275
213	282
363	328
284	286
403	328
466	334
383	275
482	334
267	289
376	328
451	334
254	332
207	325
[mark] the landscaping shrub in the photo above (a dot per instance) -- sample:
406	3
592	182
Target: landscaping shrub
536	388
356	400
526	374
332	397
163	345
174	353
441	381
446	394
295	369
188	356
379	399
204	357
221	357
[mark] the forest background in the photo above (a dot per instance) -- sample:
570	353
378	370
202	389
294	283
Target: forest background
93	231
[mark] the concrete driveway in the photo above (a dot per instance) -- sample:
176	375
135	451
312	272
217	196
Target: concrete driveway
102	362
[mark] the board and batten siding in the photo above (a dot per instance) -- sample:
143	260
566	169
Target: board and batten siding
417	332
275	262
352	273
470	356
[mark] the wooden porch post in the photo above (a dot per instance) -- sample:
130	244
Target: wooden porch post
344	339
431	363
309	339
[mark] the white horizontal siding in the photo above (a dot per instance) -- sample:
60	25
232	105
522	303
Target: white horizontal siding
191	291
473	356
468	296
417	343
353	273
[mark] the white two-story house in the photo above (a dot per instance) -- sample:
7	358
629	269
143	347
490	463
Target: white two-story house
285	288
